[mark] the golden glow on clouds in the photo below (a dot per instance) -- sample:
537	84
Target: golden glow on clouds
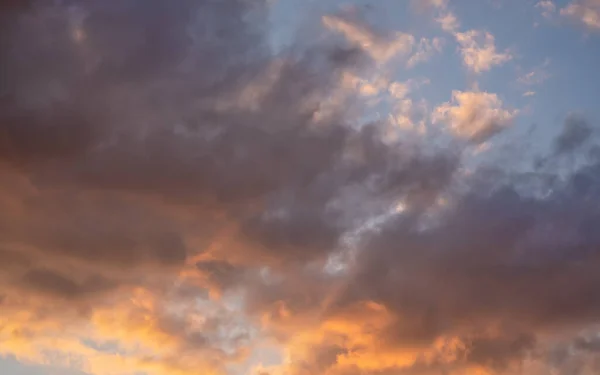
292	240
129	337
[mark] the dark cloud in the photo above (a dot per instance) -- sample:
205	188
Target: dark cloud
502	257
132	133
221	273
92	98
107	101
575	132
57	285
590	344
499	352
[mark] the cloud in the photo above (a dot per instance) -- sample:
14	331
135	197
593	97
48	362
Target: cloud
176	196
576	131
146	174
123	157
478	50
475	116
547	7
586	12
380	47
438	281
448	22
537	76
426	49
477	47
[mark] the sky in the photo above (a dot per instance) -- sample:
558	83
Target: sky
299	187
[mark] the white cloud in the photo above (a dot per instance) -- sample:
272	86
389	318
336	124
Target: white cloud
529	93
479	52
380	48
474	116
586	12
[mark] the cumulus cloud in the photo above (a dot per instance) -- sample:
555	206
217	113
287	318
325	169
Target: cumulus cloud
474	116
448	22
479	52
477	47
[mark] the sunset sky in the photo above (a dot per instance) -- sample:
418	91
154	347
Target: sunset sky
299	187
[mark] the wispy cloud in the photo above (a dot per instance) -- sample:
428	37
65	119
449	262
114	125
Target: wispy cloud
425	50
536	76
381	48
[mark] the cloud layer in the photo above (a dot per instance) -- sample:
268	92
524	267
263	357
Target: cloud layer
176	198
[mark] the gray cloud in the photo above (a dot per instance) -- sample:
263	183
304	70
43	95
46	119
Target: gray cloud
503	257
575	132
57	285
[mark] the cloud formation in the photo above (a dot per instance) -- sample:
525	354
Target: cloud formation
426	49
477	47
586	12
478	50
177	197
380	47
547	7
575	132
474	116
